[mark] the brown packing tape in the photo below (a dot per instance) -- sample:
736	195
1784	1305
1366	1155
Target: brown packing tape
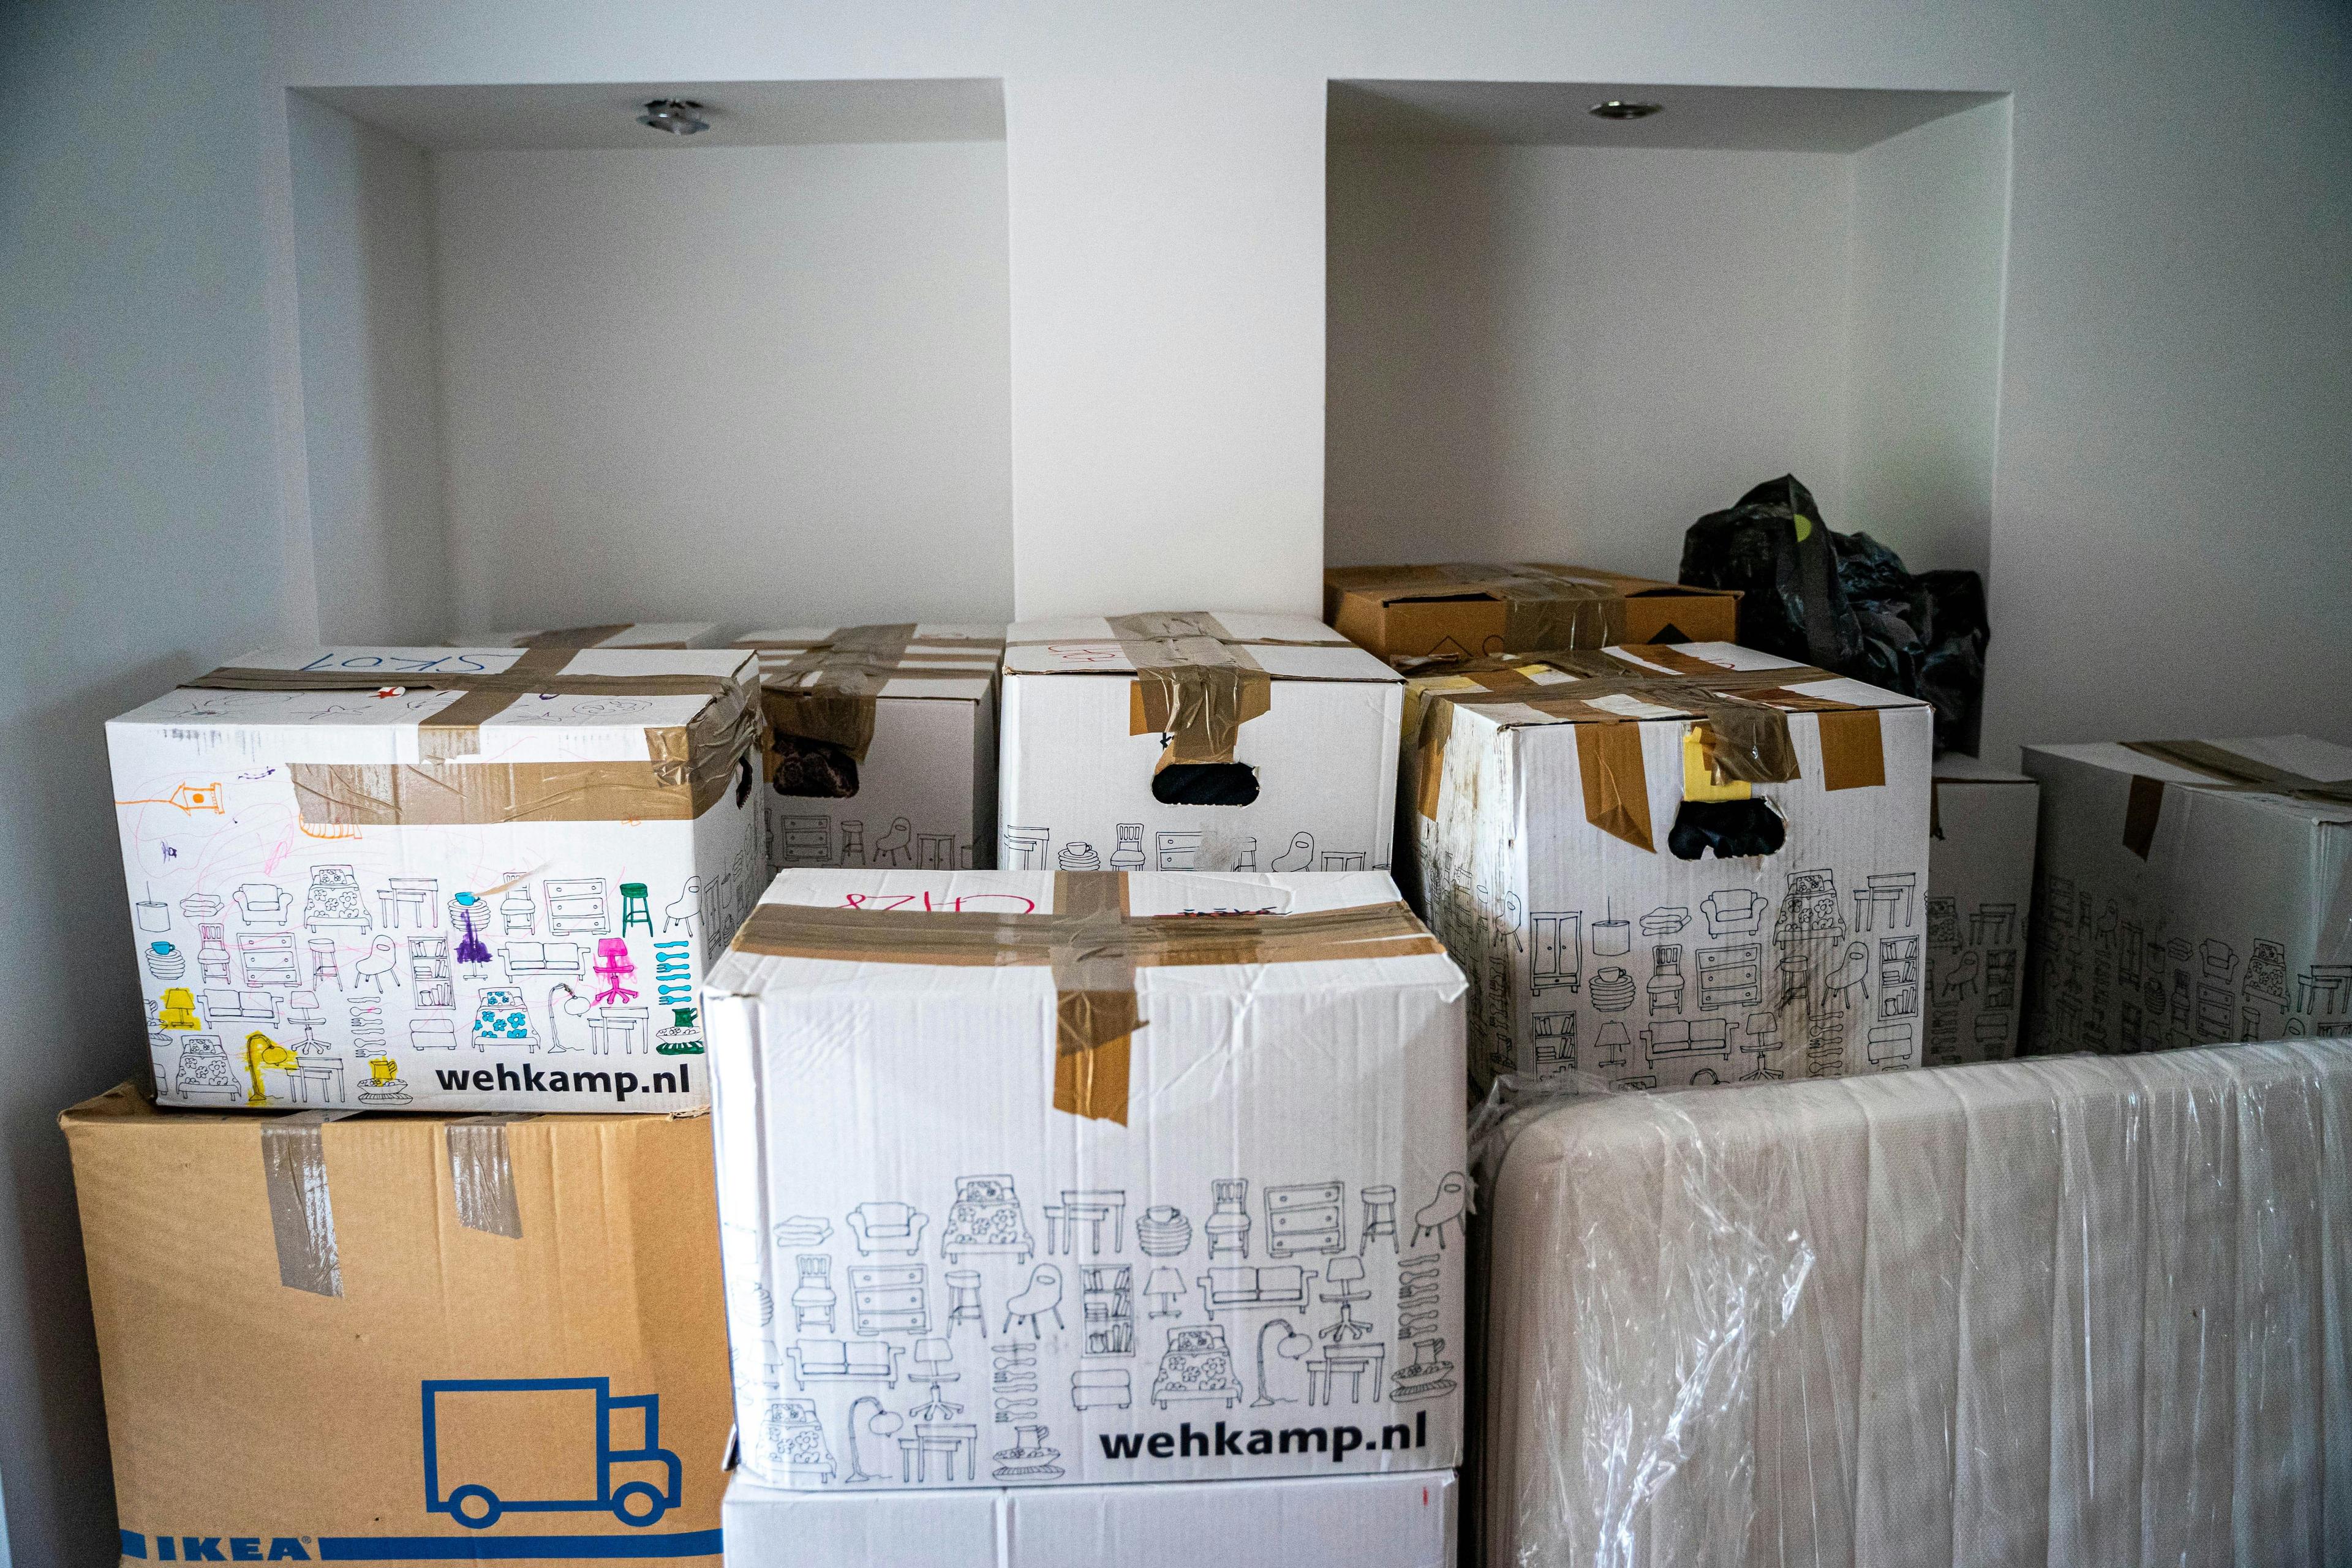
1092	948
2143	808
688	769
1739	716
1194	684
1853	754
574	636
1429	756
1543	609
1096	1010
1616	785
481	1175
828	693
301	1216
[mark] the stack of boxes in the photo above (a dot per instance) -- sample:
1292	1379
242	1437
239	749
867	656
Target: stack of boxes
1090	1177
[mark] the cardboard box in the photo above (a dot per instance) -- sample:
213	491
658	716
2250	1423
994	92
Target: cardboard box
2076	1310
885	744
420	879
1195	741
1334	1521
2191	891
1563	809
1979	896
1466	610
394	1338
1074	1185
619	634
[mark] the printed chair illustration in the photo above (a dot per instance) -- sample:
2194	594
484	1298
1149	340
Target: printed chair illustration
883	1229
1228	1224
1043	1296
986	1218
1452	1201
263	903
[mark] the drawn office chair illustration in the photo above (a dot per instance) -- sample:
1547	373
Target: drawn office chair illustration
930	1356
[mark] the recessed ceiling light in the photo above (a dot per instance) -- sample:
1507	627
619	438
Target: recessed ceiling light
680	116
1622	108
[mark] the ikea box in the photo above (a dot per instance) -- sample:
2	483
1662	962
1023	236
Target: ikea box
1195	742
434	878
327	1336
2189	892
1325	1521
1673	866
1980	893
618	634
884	745
1034	1178
1464	610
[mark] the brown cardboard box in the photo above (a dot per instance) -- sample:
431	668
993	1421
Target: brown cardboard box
1404	612
393	1338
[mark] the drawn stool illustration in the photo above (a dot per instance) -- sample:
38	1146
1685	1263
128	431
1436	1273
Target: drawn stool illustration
963	1300
636	910
1380	1217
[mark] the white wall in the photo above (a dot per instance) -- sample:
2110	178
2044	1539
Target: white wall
1569	354
371	424
139	510
760	386
1928	241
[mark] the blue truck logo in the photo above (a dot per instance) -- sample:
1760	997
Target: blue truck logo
588	1452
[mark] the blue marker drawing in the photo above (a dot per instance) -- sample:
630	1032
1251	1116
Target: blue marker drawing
475	1473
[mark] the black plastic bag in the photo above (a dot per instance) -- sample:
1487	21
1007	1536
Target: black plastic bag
1844	602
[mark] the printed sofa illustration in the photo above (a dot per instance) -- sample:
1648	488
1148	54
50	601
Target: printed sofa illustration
888	1227
1274	1285
844	1361
1198	1364
545	958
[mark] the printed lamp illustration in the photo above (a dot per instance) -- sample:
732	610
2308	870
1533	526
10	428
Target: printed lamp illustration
592	1451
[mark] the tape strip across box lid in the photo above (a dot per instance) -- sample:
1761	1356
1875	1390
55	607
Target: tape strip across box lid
1741	716
481	1174
2229	771
827	690
302	1213
1194	682
1093	948
687	770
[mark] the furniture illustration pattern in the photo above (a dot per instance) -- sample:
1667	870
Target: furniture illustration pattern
1095	1211
1311	1217
267	958
417	899
1557	952
1361	1365
528	958
890	1299
883	1228
1228	1224
575	906
1731	976
796	1441
1107	1387
812	1296
1197	1364
803	841
334	900
844	1361
925	1439
1242	1288
1107	1302
986	1218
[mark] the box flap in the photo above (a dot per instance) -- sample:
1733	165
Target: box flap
1286	647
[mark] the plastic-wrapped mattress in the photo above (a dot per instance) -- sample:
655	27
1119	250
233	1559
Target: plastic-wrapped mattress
2053	1312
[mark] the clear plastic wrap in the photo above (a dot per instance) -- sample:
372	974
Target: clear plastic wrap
2058	1310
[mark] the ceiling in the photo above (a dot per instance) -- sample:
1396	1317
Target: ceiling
1551	113
742	113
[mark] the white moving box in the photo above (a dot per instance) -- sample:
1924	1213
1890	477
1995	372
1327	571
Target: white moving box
1038	1178
619	634
2189	892
885	747
1979	889
1330	1521
471	879
1557	805
2067	1310
1111	726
